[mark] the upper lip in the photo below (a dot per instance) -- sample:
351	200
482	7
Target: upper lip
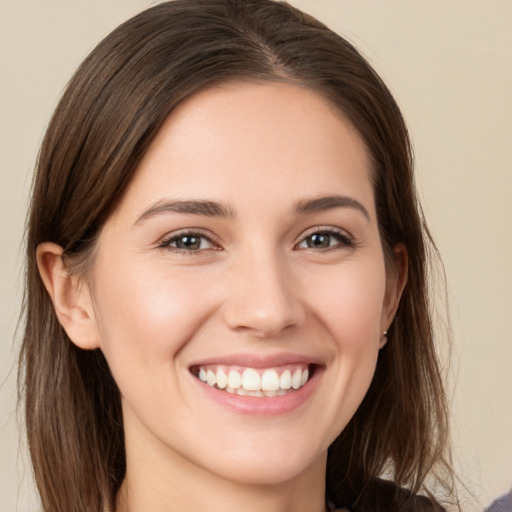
258	360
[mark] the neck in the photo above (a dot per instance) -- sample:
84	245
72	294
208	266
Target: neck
173	484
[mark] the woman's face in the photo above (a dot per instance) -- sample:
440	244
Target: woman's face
246	253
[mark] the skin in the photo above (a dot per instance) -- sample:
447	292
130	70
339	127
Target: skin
256	285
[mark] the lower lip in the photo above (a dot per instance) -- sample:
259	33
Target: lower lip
262	406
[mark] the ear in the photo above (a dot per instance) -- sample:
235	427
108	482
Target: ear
395	284
70	295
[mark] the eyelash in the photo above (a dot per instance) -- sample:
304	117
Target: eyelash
175	237
343	241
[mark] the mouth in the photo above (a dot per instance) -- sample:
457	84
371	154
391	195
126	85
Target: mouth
255	382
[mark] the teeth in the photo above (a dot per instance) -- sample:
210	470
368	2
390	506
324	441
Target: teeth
234	379
304	379
222	379
270	380
255	393
211	379
285	382
252	382
297	377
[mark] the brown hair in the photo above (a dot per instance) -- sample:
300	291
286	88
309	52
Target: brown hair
109	114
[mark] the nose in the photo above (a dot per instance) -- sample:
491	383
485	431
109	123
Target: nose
262	297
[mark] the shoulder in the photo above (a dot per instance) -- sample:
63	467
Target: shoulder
402	500
503	504
385	496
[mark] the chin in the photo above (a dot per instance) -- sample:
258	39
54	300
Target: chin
270	471
268	458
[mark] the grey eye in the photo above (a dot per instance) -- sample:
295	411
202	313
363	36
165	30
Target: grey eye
188	242
325	240
319	241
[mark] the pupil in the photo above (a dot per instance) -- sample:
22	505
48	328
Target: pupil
318	240
188	242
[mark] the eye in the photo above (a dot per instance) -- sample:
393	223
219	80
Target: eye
188	242
324	239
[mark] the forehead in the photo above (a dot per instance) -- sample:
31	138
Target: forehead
240	141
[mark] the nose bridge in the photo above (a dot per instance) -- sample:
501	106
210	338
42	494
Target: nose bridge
261	294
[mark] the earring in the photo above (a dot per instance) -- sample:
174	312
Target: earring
384	339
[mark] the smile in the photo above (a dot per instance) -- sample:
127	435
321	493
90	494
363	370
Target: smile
254	382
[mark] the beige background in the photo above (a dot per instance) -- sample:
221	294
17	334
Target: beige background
449	63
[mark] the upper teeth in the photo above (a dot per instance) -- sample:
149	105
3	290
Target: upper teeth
251	380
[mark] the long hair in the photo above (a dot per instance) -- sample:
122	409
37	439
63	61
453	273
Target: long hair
110	112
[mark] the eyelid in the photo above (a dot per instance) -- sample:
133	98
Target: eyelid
199	232
347	238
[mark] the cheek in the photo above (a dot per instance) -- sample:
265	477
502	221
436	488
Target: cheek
351	305
350	309
147	315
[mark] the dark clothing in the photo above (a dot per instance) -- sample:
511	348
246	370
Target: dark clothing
384	496
503	504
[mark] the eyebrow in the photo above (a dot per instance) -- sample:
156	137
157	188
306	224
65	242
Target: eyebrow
216	209
190	207
324	203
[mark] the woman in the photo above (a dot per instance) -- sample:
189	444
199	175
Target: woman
226	276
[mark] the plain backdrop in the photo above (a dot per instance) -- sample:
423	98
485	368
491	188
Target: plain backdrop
449	64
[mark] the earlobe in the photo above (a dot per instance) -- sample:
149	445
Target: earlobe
70	296
395	286
383	339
